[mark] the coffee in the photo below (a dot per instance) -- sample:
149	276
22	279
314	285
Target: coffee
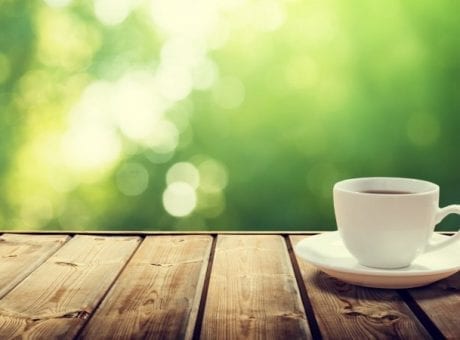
386	192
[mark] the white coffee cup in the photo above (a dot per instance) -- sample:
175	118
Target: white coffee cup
386	222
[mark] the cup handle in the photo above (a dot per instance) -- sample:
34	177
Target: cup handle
441	214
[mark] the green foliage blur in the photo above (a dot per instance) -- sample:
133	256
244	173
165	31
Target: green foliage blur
220	114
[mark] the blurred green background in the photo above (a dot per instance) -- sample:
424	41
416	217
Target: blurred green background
220	114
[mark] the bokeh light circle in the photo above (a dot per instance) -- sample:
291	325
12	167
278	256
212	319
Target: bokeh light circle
213	176
179	199
183	172
132	179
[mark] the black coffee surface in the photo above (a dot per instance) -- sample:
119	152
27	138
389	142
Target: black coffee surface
386	192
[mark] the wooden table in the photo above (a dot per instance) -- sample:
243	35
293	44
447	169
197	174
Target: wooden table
198	285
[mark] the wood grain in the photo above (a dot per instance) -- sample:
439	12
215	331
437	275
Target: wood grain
21	254
441	302
169	232
57	298
252	291
158	294
345	311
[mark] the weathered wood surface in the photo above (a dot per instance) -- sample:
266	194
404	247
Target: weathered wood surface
21	254
441	302
158	294
190	286
253	292
57	298
345	311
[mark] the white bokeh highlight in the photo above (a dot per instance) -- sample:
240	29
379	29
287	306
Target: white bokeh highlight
183	172
179	199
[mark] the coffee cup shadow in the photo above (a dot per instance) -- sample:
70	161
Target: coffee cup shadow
327	284
347	291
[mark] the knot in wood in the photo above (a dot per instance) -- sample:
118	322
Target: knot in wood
374	314
64	263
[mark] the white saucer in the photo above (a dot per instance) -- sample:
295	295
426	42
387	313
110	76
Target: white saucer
328	253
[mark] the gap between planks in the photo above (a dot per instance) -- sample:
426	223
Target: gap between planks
356	311
51	313
158	262
405	296
96	307
46	247
309	311
253	291
204	292
420	314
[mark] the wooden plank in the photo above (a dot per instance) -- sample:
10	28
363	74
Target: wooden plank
441	302
158	293
21	254
345	311
57	298
174	232
253	292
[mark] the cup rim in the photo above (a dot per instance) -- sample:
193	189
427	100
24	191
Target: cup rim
433	188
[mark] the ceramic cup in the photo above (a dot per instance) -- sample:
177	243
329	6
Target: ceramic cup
387	222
